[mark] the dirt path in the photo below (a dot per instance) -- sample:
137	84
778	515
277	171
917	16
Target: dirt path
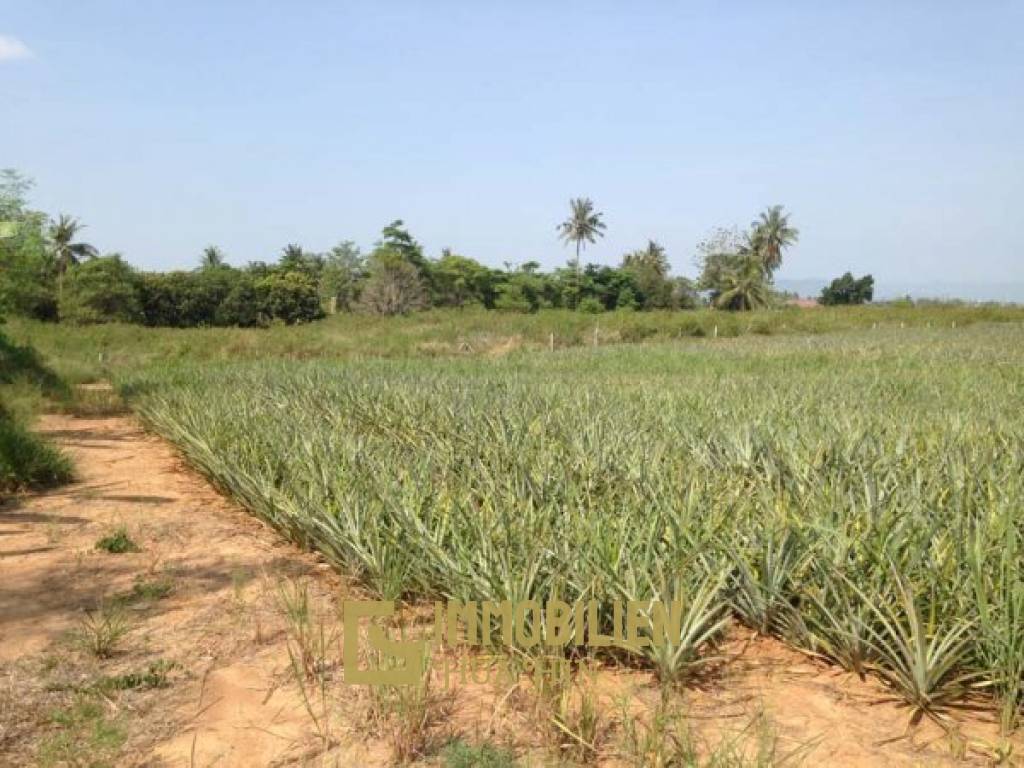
202	600
217	623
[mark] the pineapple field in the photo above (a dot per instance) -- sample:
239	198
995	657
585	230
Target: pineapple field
856	495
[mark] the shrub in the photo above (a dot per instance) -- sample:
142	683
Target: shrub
27	461
243	305
101	631
591	306
102	290
30	299
22	363
185	299
394	286
289	296
512	298
847	290
626	299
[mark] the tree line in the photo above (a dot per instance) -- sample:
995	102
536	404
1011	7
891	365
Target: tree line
49	273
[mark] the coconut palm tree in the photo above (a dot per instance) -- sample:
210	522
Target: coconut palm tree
66	252
743	287
582	226
212	258
770	235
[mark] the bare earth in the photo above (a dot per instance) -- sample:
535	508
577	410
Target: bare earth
232	701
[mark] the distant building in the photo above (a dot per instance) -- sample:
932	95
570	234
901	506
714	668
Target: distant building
803	303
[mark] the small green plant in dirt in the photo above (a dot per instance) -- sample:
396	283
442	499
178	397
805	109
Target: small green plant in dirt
411	718
82	736
310	639
146	591
664	738
578	727
156	675
459	754
659	740
118	542
308	636
101	631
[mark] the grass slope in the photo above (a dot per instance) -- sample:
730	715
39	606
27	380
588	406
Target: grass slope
86	354
26	461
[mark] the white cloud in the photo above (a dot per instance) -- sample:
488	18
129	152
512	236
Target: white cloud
13	48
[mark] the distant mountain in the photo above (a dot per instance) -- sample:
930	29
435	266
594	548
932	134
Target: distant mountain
1003	292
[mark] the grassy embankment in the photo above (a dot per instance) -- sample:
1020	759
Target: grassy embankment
92	353
26	461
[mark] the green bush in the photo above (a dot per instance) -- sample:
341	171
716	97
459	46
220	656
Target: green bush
19	363
185	299
627	299
243	306
591	306
224	296
28	299
26	461
290	296
512	298
848	290
102	290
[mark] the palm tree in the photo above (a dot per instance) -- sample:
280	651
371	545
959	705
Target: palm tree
744	286
65	252
212	258
770	235
582	226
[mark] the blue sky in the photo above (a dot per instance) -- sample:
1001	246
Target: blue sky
893	131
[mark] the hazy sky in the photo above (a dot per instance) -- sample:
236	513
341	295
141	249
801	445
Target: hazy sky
893	131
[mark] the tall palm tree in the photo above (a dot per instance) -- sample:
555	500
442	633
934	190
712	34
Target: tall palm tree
65	251
770	235
743	287
212	258
584	225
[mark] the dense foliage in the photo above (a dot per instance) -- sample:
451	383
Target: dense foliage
848	290
101	290
26	460
27	266
47	272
